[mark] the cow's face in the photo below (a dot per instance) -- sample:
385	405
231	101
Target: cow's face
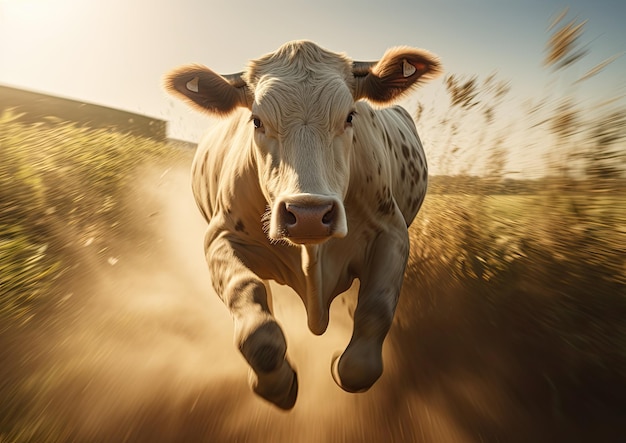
303	135
301	100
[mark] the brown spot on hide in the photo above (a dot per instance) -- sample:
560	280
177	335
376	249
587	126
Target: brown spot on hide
387	138
239	226
405	151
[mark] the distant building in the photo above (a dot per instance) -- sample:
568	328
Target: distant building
38	107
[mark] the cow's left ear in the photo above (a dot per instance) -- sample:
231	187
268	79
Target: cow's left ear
394	74
207	91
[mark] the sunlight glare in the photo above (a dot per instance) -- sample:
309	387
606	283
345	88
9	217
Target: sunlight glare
28	11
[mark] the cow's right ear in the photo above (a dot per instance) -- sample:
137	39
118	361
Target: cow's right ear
207	91
397	72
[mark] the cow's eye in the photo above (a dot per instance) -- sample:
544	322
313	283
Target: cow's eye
256	121
350	117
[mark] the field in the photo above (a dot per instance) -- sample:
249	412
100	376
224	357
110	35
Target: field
511	325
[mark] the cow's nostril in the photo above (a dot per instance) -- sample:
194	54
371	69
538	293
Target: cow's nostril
288	217
327	219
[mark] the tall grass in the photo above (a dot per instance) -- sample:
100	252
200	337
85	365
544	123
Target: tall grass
577	213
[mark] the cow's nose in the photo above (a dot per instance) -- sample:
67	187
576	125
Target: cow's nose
307	218
306	222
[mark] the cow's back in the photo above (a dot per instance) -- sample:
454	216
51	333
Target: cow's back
388	149
410	179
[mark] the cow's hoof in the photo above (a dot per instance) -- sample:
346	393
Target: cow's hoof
351	376
279	387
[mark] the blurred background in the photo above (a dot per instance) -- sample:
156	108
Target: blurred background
512	321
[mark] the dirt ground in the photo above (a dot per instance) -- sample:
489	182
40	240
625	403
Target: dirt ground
139	349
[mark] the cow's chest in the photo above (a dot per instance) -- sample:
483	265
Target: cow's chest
326	269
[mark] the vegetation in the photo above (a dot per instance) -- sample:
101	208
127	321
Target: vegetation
60	186
575	213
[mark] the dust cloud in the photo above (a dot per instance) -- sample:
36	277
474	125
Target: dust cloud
140	347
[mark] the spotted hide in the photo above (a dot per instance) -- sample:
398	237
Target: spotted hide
304	183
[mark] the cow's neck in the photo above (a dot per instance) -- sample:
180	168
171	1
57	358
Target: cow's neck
317	314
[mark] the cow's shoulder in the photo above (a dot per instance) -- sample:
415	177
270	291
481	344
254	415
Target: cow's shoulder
224	174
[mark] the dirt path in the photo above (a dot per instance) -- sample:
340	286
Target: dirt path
140	349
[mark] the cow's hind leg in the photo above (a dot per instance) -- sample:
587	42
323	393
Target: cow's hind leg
257	334
361	364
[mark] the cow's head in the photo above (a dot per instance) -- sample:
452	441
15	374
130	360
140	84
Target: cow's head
302	111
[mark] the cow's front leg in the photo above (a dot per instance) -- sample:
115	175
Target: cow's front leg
257	335
361	363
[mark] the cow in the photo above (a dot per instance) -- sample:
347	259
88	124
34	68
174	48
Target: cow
305	183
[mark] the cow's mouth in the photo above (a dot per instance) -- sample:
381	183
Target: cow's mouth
308	240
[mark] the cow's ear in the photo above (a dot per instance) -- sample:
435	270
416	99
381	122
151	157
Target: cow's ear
394	74
207	91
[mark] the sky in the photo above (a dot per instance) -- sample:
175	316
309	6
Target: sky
115	52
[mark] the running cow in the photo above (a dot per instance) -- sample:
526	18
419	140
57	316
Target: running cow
305	184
